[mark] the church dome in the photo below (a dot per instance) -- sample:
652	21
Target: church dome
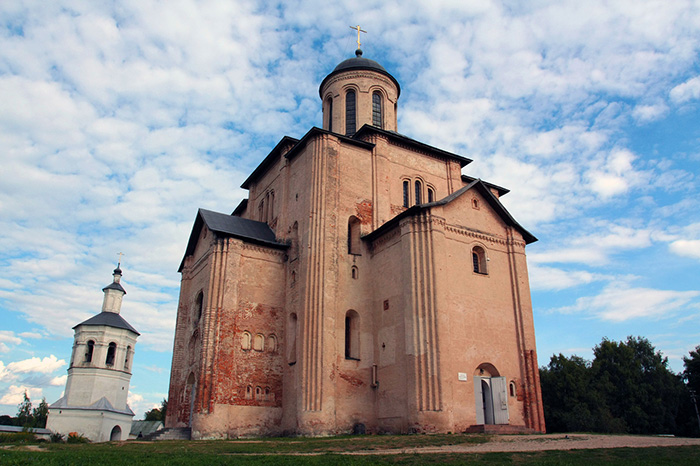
359	63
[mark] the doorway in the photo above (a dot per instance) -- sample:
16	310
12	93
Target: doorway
116	434
491	400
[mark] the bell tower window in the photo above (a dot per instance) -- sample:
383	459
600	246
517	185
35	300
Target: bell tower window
111	351
350	126
90	350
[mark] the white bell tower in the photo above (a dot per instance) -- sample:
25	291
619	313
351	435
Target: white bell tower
94	403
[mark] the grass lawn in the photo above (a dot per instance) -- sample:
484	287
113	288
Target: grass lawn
325	451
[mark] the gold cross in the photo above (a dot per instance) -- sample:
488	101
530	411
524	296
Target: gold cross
358	33
120	258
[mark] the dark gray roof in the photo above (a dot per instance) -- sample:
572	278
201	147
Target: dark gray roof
366	128
110	319
144	427
230	225
102	404
114	286
359	63
476	184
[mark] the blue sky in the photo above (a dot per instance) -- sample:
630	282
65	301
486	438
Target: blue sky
119	119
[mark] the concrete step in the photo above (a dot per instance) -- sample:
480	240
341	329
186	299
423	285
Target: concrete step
170	433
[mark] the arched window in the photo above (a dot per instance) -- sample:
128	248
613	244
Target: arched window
350	126
111	351
329	114
431	195
258	393
198	305
261	211
355	273
127	359
406	194
513	390
292	340
271	343
377	109
419	193
267	393
352	335
479	260
245	341
249	393
354	241
271	208
90	350
259	342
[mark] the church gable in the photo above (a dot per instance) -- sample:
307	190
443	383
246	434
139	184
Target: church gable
475	207
224	225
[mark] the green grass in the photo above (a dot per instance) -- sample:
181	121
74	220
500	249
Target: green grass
325	451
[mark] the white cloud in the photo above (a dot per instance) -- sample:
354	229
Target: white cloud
619	302
688	248
46	365
14	394
59	381
689	90
648	113
550	278
7	336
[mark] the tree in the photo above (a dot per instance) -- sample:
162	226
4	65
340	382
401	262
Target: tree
157	414
40	413
24	412
691	376
643	395
627	388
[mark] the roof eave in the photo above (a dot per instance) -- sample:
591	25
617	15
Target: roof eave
367	128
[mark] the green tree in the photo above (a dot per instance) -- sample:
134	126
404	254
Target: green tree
40	413
157	414
643	395
691	376
628	387
569	397
24	412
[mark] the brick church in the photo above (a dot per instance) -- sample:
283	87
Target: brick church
365	285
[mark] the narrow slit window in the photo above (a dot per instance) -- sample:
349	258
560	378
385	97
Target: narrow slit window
352	335
377	110
199	304
419	193
329	110
406	200
354	241
431	195
350	126
127	358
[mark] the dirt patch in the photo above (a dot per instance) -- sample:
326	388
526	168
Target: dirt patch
515	443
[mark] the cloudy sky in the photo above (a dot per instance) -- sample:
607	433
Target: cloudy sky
119	119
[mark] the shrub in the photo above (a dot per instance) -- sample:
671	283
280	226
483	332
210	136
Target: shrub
56	437
19	437
75	437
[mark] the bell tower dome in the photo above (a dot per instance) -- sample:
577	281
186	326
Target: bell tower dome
359	91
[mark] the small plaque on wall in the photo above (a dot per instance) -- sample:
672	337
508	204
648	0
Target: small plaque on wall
462	376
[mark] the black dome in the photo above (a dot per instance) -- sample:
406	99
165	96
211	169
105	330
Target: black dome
359	63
